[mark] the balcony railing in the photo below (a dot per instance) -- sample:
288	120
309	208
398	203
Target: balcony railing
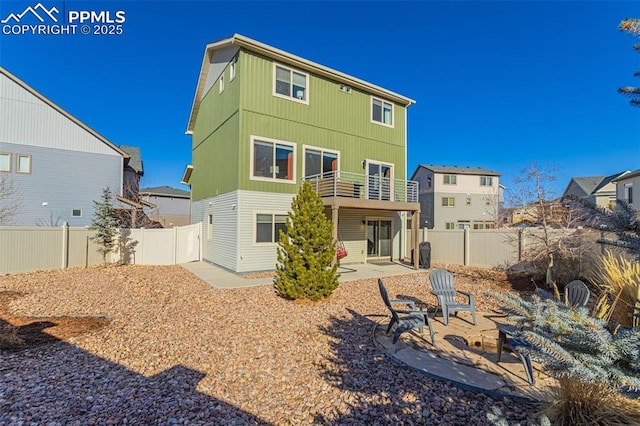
355	185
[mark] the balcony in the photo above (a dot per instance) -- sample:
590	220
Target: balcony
357	186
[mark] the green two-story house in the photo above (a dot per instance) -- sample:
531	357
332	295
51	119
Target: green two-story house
262	122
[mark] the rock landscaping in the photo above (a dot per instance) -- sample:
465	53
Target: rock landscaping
164	347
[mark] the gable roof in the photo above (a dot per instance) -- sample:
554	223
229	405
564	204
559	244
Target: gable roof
592	184
286	58
135	160
79	123
629	175
456	170
165	191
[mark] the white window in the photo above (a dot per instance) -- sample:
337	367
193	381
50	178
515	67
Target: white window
272	160
76	213
23	163
268	227
486	181
232	68
5	162
221	83
290	84
450	225
319	161
210	227
450	179
468	201
381	112
448	202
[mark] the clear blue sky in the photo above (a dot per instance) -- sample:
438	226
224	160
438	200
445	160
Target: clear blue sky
497	84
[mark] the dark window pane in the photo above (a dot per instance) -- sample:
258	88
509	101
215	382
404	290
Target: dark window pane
377	111
312	162
329	162
284	162
283	81
262	159
264	227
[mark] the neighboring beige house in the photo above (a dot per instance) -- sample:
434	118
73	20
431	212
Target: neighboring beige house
600	190
454	197
624	188
172	205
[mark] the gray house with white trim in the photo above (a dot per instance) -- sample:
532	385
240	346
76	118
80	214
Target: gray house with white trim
56	164
453	197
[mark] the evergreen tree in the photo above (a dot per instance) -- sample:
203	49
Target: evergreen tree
570	343
307	250
632	26
105	224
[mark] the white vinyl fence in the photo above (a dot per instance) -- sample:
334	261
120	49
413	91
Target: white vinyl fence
26	249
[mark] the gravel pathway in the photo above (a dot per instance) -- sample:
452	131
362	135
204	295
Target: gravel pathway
180	352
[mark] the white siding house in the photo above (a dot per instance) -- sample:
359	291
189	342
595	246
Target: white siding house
56	164
625	191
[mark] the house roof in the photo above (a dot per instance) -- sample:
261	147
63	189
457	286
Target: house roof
592	184
135	160
456	170
63	112
629	175
165	191
287	58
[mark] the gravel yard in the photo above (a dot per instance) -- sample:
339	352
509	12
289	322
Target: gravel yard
177	351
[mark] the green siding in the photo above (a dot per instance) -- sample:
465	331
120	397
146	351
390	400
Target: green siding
333	119
215	141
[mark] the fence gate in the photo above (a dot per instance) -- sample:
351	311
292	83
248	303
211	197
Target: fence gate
188	243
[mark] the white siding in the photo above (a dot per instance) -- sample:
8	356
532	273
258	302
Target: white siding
252	256
223	248
219	61
25	119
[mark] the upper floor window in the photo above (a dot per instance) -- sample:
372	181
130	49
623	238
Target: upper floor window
5	162
272	160
448	202
450	179
449	225
290	84
221	83
232	68
486	181
429	182
468	201
76	213
381	112
23	163
318	161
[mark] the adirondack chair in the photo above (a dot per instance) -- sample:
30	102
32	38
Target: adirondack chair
404	320
442	287
505	338
576	294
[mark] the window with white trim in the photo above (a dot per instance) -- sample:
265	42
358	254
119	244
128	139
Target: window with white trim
23	163
468	201
76	213
290	84
5	162
272	160
629	194
448	202
268	227
450	179
209	227
381	112
318	161
486	181
221	83
232	68
450	225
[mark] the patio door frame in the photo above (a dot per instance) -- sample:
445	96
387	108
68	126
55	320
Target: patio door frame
377	219
385	189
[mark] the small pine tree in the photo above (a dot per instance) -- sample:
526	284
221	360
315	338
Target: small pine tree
105	224
570	343
306	251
